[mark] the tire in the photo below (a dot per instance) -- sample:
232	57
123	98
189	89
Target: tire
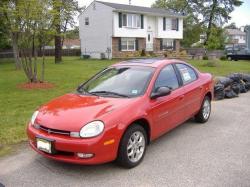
204	112
137	147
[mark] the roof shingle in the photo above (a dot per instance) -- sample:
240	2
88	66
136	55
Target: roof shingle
140	9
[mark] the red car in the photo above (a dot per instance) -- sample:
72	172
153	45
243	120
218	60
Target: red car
118	112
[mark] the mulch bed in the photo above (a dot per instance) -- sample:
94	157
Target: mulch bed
36	86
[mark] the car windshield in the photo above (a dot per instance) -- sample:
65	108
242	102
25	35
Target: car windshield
119	82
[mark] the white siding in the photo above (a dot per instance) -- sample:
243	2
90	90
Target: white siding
127	32
104	24
152	25
171	34
240	38
97	36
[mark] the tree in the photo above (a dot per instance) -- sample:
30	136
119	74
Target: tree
36	22
9	11
64	12
4	35
208	14
30	26
72	34
231	26
216	39
217	13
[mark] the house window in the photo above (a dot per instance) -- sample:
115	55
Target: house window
87	21
167	44
128	44
171	24
131	20
168	24
175	24
124	20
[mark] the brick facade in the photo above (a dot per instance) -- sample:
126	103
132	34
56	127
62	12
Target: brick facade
142	45
157	44
177	45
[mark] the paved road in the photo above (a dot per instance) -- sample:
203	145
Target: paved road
214	154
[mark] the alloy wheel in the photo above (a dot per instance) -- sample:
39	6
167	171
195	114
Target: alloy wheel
136	146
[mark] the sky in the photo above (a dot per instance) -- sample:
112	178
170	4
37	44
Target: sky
241	15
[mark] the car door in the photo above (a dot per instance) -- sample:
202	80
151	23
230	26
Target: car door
192	88
167	110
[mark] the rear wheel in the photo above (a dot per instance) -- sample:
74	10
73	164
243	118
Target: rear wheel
205	111
132	147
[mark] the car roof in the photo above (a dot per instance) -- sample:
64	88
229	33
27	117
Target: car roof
151	62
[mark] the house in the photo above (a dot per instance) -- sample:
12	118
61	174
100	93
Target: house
71	44
235	36
117	30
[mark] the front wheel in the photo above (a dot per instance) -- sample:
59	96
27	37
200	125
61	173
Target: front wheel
205	111
132	147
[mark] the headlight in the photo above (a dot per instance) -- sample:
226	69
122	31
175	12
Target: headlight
92	129
33	118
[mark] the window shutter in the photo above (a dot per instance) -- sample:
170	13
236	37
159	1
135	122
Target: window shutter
119	44
142	22
177	24
164	23
120	19
137	44
161	44
174	45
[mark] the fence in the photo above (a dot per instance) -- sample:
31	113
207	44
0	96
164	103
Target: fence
200	52
48	52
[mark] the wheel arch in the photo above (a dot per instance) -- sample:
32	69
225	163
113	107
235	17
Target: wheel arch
144	123
210	95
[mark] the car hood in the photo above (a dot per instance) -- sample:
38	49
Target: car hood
72	111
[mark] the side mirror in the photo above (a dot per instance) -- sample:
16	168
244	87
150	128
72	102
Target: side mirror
160	92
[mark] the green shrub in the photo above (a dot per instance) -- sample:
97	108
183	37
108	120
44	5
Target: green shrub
143	52
205	57
223	58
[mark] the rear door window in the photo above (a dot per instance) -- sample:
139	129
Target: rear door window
187	73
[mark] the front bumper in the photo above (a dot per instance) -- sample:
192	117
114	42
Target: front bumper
67	147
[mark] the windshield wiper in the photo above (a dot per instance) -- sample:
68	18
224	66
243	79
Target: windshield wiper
81	90
109	93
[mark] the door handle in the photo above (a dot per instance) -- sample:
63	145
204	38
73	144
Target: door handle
201	87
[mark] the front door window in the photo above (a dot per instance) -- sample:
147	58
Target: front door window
150	41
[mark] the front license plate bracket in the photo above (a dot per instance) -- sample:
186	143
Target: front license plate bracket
46	145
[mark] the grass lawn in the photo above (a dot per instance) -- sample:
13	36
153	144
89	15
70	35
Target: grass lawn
17	105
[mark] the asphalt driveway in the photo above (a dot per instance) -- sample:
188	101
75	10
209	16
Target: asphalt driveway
214	154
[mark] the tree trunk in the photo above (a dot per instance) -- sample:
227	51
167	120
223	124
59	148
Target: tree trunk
211	17
58	39
35	66
43	65
58	49
14	38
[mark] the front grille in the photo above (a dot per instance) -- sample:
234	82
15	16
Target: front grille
52	131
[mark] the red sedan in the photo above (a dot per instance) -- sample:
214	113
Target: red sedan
115	114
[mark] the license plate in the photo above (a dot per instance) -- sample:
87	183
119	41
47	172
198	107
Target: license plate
43	145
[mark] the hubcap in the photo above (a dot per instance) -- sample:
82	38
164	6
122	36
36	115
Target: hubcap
206	109
136	146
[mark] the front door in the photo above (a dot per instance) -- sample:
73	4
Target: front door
168	111
149	43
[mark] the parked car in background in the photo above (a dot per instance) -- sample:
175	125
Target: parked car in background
118	112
